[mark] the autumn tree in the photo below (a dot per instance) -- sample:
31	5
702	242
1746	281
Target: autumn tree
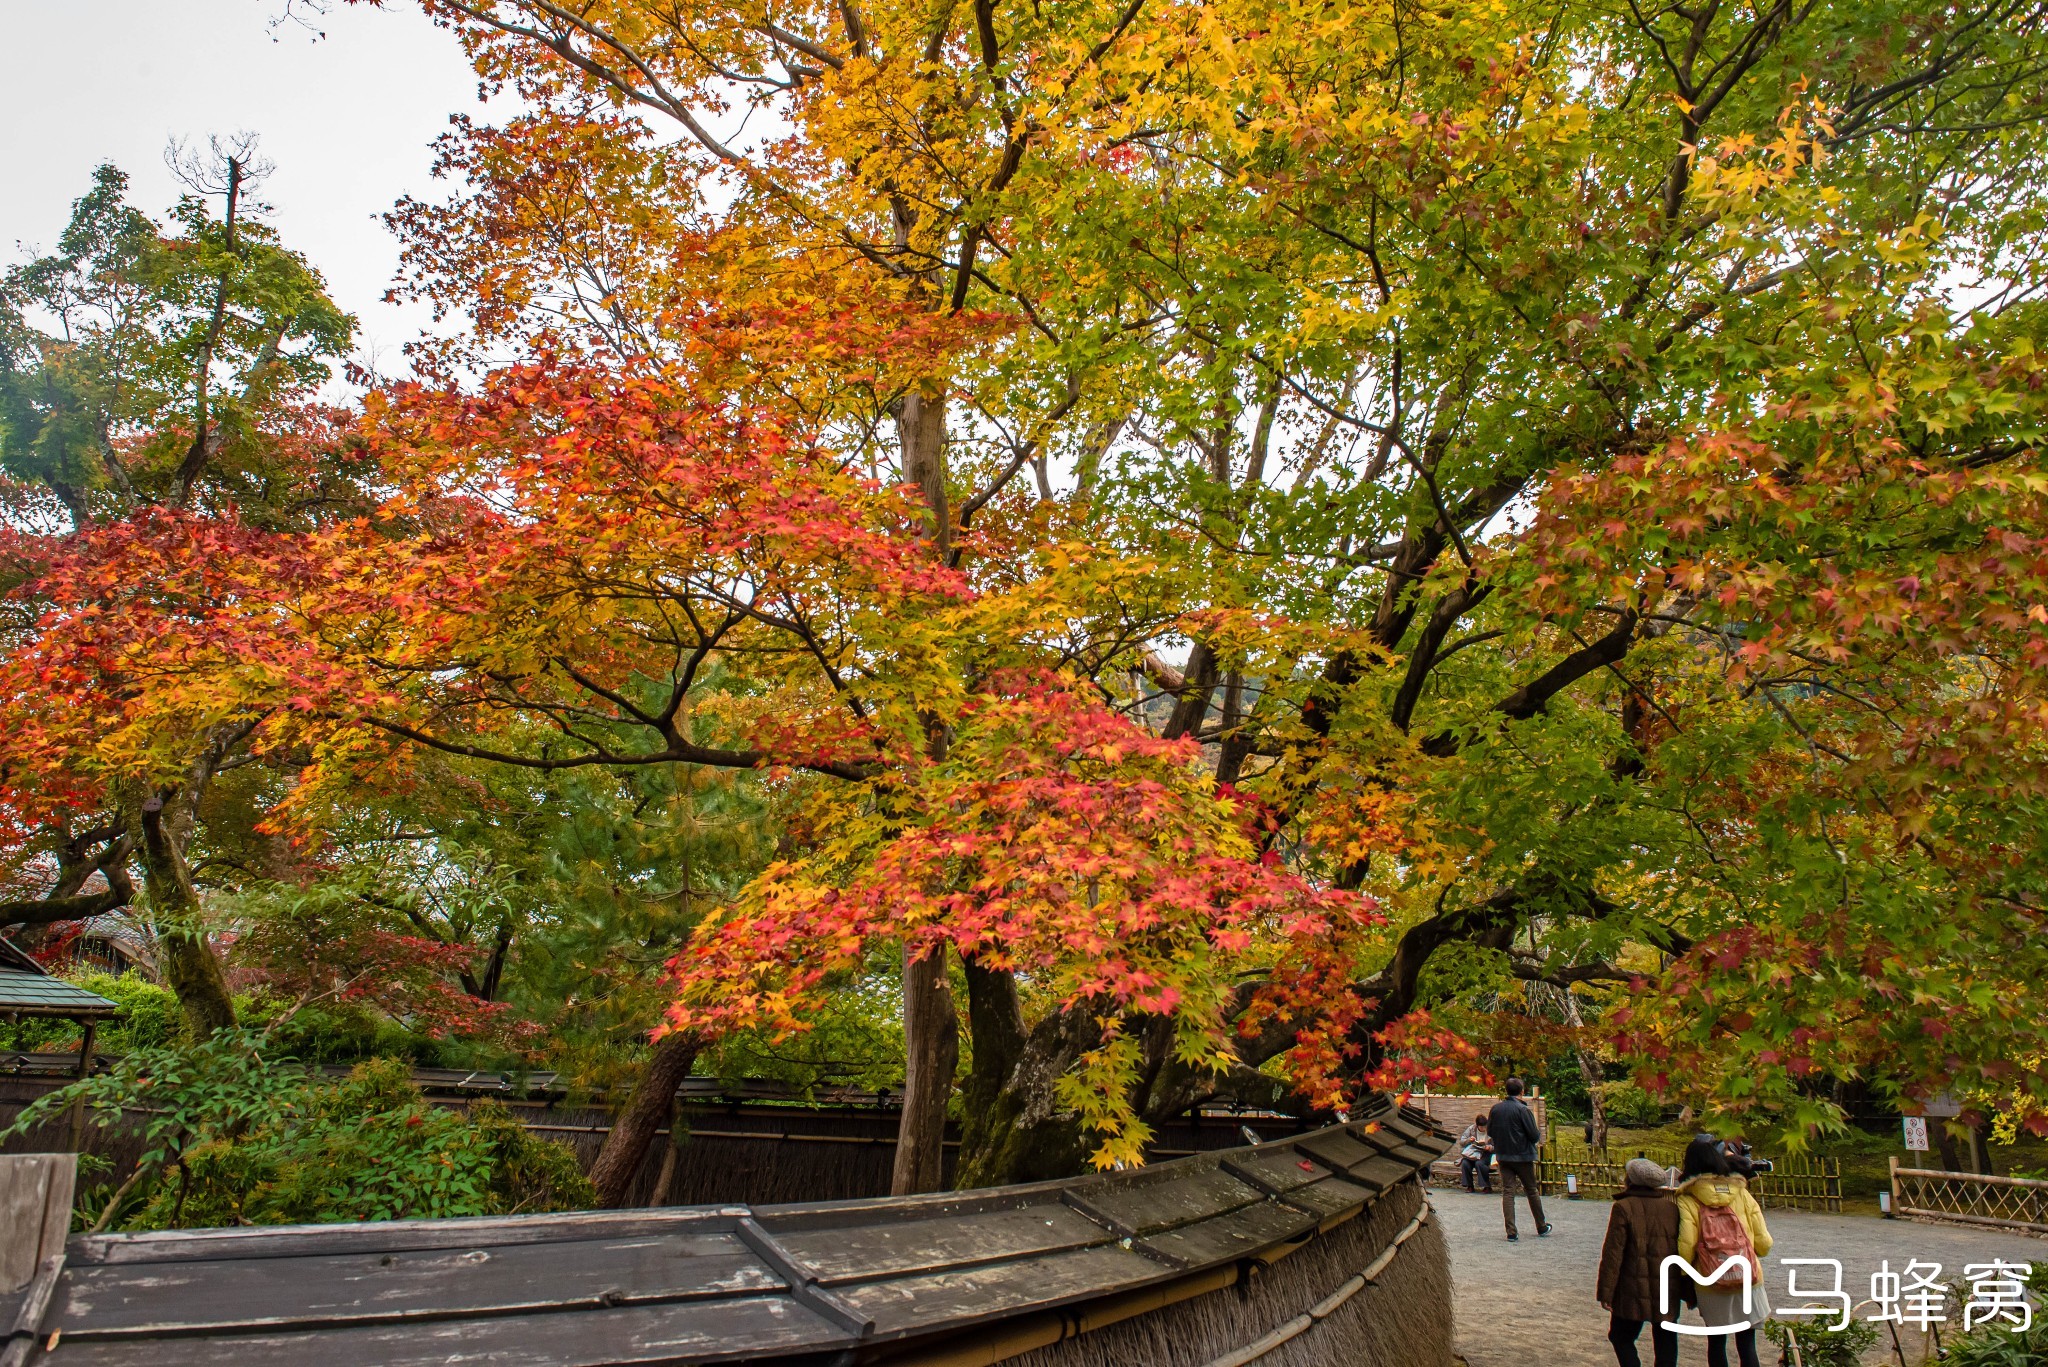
155	430
915	163
1161	489
913	144
1613	250
581	544
1297	322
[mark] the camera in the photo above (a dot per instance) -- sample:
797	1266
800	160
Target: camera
1743	1162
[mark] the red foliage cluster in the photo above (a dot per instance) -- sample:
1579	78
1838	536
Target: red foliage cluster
1058	840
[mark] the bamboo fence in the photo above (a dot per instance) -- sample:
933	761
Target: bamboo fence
1792	1183
2018	1203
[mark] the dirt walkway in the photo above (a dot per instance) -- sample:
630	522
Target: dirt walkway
1530	1304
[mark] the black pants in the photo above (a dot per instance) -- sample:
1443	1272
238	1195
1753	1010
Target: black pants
1623	1334
1745	1348
1525	1173
1467	1167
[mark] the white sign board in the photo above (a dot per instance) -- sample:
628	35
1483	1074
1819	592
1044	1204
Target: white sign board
1916	1133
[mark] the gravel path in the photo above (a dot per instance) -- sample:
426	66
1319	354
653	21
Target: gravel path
1530	1304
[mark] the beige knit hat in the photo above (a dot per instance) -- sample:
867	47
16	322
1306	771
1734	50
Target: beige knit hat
1641	1172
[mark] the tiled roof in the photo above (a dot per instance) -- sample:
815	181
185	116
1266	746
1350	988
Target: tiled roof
848	1280
37	994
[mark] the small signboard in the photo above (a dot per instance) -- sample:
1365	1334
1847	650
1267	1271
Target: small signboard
1916	1133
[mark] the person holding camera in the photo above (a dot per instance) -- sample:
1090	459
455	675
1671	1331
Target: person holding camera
1742	1160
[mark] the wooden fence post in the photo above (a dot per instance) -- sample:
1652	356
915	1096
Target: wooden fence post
1893	1212
35	1213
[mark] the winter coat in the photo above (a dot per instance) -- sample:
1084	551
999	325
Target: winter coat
1474	1135
1709	1190
1642	1231
1515	1132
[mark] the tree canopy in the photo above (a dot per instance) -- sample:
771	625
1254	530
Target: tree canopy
1205	539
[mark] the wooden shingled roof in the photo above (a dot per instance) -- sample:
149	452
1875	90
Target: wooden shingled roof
27	989
850	1281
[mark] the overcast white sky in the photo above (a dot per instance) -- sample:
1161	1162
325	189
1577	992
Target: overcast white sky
346	118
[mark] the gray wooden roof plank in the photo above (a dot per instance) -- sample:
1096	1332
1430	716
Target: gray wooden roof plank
896	1268
284	1241
823	1301
875	1210
837	1255
950	1301
1235	1235
1276	1168
1381	1172
1337	1149
216	1296
1164	1197
1332	1196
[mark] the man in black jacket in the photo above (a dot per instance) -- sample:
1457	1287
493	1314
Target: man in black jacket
1515	1139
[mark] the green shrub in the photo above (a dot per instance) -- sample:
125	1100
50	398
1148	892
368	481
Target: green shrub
233	1138
1629	1107
1998	1345
366	1148
528	1173
150	1015
330	1033
151	1019
1820	1346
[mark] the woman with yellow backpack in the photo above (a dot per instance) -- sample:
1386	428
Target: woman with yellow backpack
1718	1219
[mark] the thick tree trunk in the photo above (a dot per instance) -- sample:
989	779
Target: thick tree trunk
184	954
1192	707
1010	1128
1235	746
665	1180
635	1126
931	1053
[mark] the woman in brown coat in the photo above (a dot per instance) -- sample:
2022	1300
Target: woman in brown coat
1642	1231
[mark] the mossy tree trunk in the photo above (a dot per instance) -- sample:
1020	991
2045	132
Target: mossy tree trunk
160	823
1012	1127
